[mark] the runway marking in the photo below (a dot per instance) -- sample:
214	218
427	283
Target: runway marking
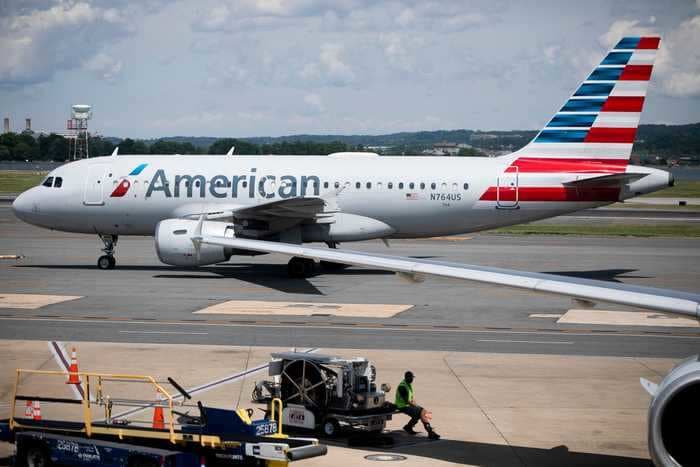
626	318
362	327
32	301
545	315
508	341
164	332
270	308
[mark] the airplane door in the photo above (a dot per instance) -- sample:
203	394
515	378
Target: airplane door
94	185
507	192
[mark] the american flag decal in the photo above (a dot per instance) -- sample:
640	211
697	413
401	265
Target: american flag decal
412	196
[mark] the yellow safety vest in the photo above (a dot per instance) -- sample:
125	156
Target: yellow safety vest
400	402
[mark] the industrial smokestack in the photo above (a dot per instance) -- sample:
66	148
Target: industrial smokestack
6	125
28	124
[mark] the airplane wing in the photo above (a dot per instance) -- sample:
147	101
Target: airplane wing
300	208
585	289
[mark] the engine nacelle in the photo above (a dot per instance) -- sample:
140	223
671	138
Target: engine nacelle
673	416
174	245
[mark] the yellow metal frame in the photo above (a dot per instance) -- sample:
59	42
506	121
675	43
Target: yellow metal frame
87	403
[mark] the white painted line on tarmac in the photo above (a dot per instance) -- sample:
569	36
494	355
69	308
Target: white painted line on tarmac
508	341
165	332
353	328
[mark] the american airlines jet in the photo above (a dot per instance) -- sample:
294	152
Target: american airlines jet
205	209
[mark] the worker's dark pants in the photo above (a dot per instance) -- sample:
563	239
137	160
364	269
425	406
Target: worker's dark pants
414	412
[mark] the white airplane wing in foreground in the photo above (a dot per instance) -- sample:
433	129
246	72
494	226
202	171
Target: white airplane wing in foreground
585	289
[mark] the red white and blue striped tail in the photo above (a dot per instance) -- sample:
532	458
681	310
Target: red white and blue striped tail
595	129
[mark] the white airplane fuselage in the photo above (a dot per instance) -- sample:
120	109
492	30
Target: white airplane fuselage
402	197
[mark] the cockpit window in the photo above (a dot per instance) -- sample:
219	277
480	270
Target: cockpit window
48	182
58	182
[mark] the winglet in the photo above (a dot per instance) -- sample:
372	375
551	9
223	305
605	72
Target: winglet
116	151
651	388
230	151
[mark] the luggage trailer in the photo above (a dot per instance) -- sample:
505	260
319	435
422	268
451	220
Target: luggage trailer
216	437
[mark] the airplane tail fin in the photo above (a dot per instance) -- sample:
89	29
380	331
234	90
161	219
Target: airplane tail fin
598	123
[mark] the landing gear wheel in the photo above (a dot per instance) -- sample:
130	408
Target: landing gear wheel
106	262
330	427
300	267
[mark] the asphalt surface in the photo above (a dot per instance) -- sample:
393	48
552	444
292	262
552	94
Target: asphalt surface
145	301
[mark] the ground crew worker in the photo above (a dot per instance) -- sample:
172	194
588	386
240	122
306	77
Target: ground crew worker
406	403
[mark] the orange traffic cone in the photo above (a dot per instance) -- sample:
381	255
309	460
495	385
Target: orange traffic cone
37	410
28	410
158	418
73	377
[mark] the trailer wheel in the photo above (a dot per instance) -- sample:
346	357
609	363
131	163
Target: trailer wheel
330	427
35	456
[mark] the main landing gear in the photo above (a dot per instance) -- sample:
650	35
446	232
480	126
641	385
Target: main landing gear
107	260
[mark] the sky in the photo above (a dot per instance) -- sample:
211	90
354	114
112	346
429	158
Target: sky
153	68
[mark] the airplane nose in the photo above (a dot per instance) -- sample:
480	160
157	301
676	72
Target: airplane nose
22	206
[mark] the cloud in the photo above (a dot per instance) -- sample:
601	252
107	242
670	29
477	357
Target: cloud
104	66
677	67
42	38
189	120
330	67
551	53
395	51
315	102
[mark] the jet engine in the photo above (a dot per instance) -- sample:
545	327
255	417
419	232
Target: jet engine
173	239
673	413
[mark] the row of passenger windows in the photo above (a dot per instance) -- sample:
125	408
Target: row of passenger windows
358	185
53	182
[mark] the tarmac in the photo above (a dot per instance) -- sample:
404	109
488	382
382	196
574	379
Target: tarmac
490	408
513	378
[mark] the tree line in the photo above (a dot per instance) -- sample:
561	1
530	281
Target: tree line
53	147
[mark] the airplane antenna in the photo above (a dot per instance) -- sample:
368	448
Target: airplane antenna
230	151
116	151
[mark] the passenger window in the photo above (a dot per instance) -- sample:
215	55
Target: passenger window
454	187
244	184
358	185
411	185
444	186
466	186
422	186
48	182
58	182
433	186
369	185
401	186
336	184
390	185
325	184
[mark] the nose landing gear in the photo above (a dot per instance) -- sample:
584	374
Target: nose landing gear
107	260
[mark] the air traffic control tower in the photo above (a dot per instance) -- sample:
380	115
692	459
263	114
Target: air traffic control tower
77	133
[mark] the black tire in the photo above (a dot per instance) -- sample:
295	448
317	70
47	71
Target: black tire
35	456
105	262
330	428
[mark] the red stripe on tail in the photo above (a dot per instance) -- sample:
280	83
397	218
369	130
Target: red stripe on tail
568	165
610	135
649	43
636	73
552	194
623	104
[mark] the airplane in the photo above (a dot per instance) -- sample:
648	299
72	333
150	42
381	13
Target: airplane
205	209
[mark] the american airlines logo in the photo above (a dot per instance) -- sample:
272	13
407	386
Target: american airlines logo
235	186
123	187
